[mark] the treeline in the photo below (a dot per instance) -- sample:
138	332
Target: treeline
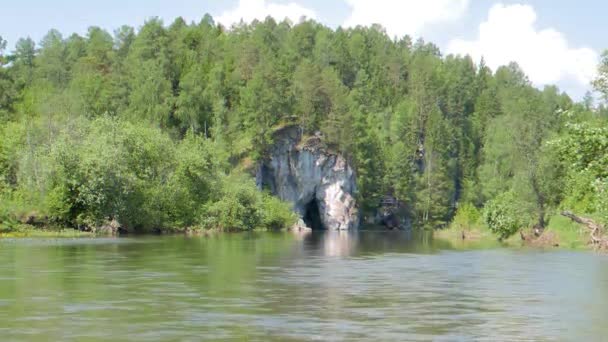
152	127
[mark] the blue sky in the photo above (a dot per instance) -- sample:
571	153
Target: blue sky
555	41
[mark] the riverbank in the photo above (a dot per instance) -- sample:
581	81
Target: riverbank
48	231
560	233
26	231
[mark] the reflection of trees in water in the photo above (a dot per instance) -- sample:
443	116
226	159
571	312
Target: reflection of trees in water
329	243
352	243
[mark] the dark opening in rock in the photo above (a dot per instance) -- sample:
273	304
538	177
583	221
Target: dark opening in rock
312	217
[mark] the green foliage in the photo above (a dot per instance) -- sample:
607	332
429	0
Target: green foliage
276	214
569	233
504	216
145	127
109	169
8	222
601	81
583	152
585	147
580	192
113	172
601	206
237	208
241	206
467	217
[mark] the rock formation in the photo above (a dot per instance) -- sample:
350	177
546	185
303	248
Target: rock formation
320	184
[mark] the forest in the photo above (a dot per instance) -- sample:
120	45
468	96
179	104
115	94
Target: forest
156	127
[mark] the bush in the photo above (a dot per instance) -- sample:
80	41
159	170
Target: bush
467	216
241	206
237	208
8	223
277	214
110	169
194	180
116	171
601	196
503	215
581	195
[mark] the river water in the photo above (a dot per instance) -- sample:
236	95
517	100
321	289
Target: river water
366	286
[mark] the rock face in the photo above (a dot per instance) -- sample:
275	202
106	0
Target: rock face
320	184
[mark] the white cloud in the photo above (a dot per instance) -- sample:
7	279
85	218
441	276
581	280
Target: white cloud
401	17
509	34
248	10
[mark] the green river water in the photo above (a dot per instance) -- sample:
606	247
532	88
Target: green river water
327	286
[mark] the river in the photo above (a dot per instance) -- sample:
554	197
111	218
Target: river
366	286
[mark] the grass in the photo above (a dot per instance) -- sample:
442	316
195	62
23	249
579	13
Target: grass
25	231
13	218
570	234
560	230
467	231
474	237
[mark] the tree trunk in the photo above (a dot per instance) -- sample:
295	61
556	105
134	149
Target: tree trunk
596	229
540	202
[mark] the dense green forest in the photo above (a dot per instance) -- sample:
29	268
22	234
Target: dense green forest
150	127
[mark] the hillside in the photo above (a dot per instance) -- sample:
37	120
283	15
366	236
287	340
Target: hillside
147	126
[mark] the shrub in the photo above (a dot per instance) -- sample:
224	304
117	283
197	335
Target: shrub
601	195
467	216
240	206
580	192
237	207
111	169
276	214
503	215
115	171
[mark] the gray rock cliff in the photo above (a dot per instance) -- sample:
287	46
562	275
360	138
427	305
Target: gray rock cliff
320	184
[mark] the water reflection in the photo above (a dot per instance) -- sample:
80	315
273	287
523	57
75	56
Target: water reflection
369	285
331	243
358	243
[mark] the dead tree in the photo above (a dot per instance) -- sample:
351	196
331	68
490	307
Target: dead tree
596	229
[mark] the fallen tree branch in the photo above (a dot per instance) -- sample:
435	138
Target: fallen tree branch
595	228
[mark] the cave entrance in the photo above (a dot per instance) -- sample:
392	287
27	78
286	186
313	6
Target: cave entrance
312	216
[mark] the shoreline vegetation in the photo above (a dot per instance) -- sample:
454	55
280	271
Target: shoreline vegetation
466	231
157	129
561	233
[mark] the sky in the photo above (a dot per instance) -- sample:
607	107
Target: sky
554	41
